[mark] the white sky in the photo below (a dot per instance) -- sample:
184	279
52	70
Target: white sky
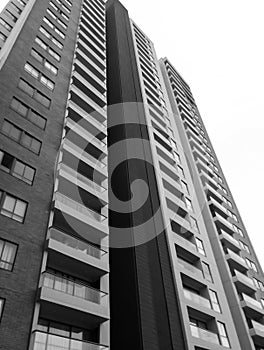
217	46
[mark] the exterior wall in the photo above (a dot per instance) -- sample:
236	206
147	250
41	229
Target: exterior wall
211	183
19	286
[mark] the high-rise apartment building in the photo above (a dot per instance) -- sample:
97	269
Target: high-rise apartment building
117	227
54	257
241	273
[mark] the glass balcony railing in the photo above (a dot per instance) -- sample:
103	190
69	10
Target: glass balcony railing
80	246
79	207
83	179
82	155
198	299
71	287
46	341
204	334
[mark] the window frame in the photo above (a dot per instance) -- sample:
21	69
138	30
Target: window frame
15	256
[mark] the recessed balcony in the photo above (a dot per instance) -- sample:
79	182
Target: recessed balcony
257	333
205	335
229	241
80	212
197	299
243	283
222	223
190	269
236	261
72	295
68	252
47	341
251	307
217	207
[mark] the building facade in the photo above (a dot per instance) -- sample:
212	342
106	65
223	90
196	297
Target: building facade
117	227
241	273
54	232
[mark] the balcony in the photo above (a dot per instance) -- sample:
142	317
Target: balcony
66	293
222	223
251	307
83	182
46	341
80	212
218	207
236	261
205	335
195	272
197	299
229	241
257	333
243	283
72	254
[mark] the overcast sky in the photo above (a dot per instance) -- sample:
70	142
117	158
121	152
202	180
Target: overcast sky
218	48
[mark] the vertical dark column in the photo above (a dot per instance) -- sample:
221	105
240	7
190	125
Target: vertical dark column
144	310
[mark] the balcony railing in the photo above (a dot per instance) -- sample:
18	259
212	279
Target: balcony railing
229	238
193	269
46	341
258	326
71	287
77	244
204	334
79	207
253	302
78	177
245	279
237	258
198	299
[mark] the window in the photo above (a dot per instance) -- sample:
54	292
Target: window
5	24
39	76
50	37
185	187
21	2
223	334
194	224
51	67
37	56
200	246
48	49
16	8
32	92
189	204
51	25
27	112
22	137
181	171
259	285
7	257
12	207
15	167
56	18
214	301
2	304
207	272
251	265
3	37
244	246
177	157
9	14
